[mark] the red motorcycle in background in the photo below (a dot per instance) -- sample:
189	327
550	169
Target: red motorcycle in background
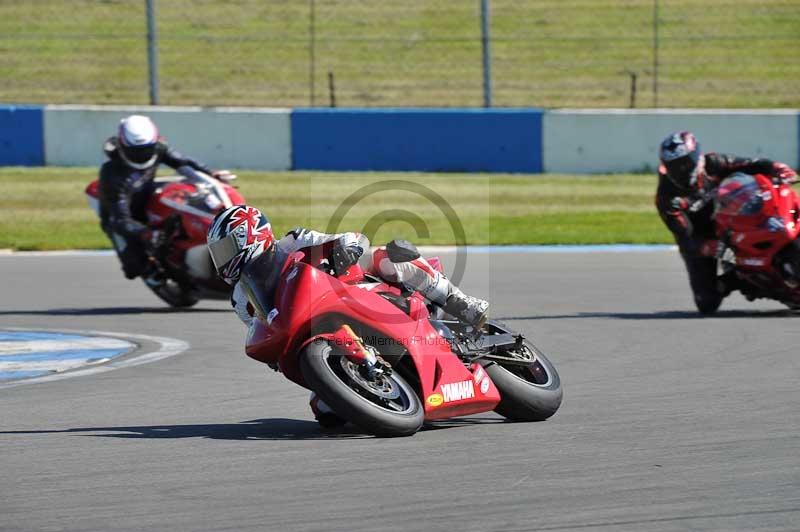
184	206
757	225
382	358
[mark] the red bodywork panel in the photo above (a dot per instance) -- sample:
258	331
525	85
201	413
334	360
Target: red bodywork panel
758	219
306	297
93	189
177	198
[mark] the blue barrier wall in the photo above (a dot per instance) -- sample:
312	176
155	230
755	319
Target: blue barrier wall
474	140
21	136
450	140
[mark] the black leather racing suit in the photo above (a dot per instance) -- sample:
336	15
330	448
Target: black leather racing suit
123	194
692	229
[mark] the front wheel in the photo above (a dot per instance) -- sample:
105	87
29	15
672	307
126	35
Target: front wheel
707	303
530	391
173	294
384	406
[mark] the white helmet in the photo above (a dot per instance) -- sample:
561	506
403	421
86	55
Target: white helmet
138	137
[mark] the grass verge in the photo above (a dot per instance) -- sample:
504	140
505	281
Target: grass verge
45	208
545	53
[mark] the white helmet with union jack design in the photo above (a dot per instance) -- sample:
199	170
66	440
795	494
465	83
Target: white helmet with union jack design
237	236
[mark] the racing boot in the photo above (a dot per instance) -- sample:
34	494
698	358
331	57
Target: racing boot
405	265
324	415
470	309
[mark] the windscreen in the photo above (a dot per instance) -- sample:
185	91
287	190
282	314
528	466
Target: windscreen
739	195
209	196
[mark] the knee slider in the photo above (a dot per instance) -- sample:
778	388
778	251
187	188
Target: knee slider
401	251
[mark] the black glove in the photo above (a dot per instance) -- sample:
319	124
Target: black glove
691	204
344	257
155	241
680	203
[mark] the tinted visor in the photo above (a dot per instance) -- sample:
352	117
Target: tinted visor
680	170
223	250
139	154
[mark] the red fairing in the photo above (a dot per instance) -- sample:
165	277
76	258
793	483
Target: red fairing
93	196
309	302
93	189
758	219
197	211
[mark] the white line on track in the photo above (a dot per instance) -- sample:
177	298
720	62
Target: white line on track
168	347
34	346
51	365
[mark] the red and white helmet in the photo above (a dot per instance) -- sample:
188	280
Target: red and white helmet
238	235
138	137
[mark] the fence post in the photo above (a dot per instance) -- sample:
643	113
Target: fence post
331	89
655	53
487	59
312	45
152	51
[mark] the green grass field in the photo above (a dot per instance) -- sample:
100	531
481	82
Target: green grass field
546	53
45	208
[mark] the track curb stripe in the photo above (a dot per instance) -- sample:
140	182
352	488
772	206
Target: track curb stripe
168	347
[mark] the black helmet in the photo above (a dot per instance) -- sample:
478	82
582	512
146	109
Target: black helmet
680	154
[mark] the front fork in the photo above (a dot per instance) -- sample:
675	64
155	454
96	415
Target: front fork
369	362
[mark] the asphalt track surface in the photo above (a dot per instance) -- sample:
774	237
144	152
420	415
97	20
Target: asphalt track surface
670	422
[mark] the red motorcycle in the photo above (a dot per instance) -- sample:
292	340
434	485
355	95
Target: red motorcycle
184	206
382	358
757	225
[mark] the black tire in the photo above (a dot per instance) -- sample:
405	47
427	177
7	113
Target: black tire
528	393
174	295
708	303
702	273
327	374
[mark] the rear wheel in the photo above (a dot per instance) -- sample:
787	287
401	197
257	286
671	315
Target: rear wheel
384	406
530	391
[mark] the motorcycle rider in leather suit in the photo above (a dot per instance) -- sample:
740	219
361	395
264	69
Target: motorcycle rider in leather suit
687	175
126	183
